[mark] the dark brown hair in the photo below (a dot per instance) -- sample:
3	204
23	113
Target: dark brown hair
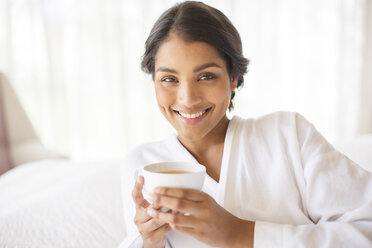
196	21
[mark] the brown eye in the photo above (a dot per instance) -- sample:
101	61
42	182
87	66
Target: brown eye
168	80
207	76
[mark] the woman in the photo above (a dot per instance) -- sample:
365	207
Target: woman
271	182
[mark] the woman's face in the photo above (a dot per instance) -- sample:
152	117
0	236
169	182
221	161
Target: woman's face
193	87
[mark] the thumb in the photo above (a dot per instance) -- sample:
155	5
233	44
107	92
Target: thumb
137	193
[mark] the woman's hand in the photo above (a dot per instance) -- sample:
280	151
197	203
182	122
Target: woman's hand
204	220
152	230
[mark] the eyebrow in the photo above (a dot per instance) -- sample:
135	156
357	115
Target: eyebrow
196	69
204	66
164	69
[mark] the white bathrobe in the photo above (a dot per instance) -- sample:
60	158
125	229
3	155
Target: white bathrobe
280	172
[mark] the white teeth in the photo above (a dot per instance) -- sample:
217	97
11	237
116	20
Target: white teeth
192	116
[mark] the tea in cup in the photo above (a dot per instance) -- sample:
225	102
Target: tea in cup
188	175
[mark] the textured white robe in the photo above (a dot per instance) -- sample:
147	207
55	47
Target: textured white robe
280	172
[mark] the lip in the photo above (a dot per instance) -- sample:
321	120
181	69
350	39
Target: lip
192	121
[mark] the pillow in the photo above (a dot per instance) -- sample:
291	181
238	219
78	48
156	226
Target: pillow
29	150
20	143
5	163
359	150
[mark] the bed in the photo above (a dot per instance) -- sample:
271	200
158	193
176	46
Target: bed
59	203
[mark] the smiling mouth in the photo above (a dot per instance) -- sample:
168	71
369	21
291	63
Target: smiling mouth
193	115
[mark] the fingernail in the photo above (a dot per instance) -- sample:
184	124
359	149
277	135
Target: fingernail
157	190
150	212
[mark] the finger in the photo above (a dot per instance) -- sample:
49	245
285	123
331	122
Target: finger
141	215
175	204
161	231
137	193
190	194
173	219
186	230
152	225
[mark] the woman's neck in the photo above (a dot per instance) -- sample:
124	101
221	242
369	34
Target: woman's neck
214	138
208	150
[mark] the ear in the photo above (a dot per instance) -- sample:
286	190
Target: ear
234	83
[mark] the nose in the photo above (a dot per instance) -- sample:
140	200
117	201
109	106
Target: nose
188	94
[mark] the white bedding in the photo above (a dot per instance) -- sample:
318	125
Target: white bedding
58	203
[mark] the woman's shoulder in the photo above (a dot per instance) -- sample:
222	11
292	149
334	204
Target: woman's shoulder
273	119
276	122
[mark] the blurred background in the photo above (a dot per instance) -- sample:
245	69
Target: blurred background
75	66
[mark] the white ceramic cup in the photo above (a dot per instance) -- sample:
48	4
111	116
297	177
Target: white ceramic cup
152	173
